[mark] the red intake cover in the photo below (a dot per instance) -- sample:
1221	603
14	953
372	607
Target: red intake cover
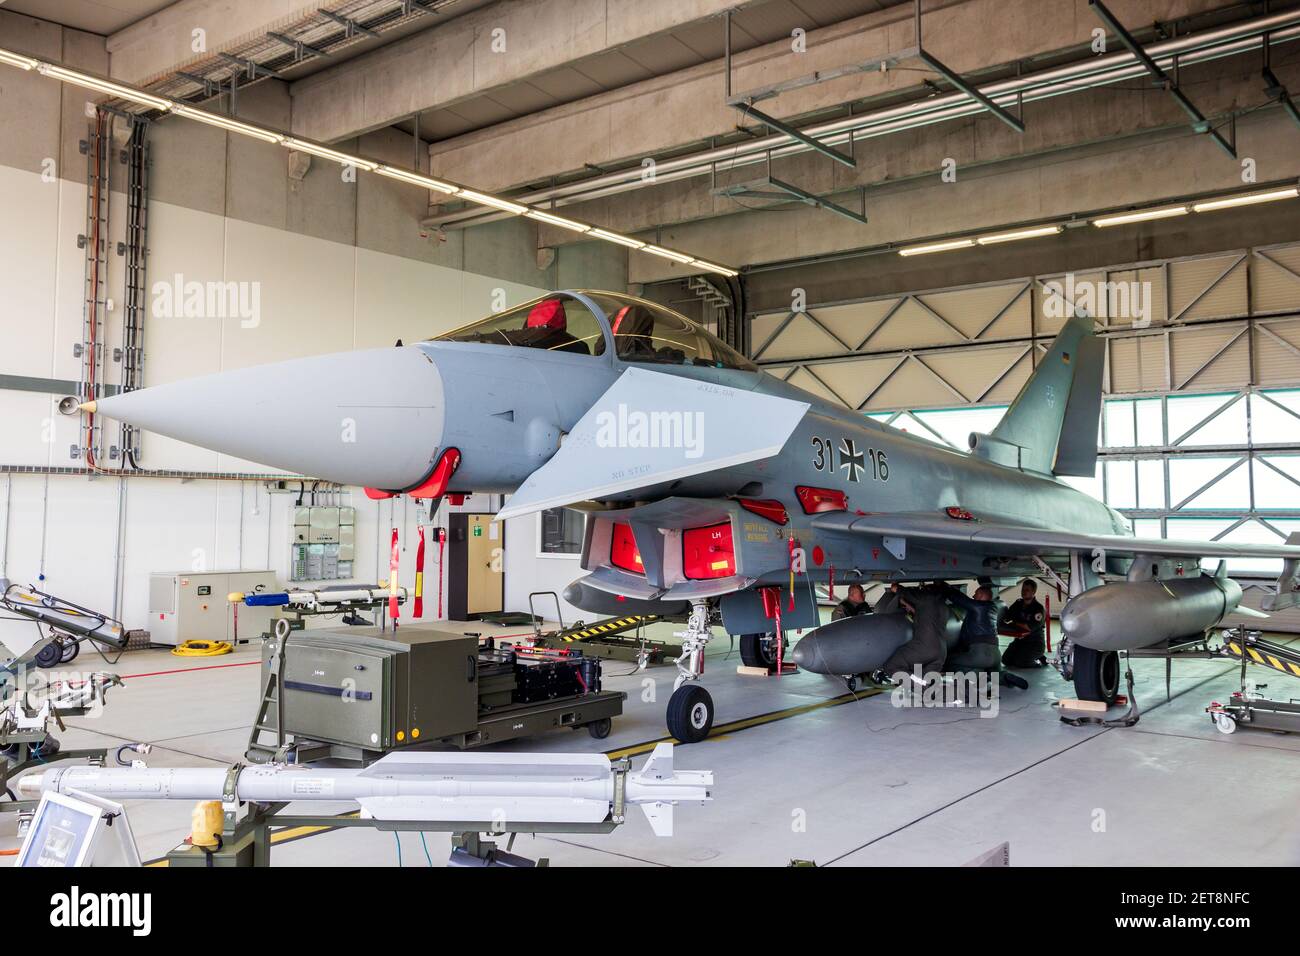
708	553
623	552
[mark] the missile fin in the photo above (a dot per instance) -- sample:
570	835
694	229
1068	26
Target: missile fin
1249	612
660	816
660	762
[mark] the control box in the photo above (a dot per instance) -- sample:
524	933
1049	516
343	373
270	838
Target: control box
192	606
324	543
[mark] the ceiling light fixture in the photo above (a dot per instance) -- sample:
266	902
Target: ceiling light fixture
226	123
324	152
133	95
1033	233
1165	212
18	60
560	221
936	247
1247	200
416	179
86	80
496	202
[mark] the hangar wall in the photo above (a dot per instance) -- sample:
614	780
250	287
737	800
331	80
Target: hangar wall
330	264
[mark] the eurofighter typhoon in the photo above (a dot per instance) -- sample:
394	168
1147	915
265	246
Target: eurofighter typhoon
717	493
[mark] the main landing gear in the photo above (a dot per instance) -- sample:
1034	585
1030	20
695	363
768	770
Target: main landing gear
690	709
1096	674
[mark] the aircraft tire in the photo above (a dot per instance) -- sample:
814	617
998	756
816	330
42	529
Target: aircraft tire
690	713
756	650
1096	674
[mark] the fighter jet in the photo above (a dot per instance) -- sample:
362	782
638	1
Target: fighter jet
716	492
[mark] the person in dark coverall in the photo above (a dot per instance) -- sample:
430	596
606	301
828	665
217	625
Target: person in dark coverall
852	605
977	646
927	648
1026	614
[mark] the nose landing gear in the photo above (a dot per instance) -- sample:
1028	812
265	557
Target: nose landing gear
690	709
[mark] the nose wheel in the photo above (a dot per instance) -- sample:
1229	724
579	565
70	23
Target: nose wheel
690	709
690	713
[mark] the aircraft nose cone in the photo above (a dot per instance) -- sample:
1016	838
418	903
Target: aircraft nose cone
373	418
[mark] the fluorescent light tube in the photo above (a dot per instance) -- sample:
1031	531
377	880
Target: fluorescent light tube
1033	233
104	86
1249	200
325	152
936	247
1166	212
417	179
226	123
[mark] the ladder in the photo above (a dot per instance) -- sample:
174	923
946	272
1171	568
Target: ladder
270	712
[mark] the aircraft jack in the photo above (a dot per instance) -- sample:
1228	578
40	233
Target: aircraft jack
1130	716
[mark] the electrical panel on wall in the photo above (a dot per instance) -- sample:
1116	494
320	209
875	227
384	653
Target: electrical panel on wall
324	543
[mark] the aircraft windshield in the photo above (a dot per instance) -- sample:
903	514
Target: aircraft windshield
644	332
555	323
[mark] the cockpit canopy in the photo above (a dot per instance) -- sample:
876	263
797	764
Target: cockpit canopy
584	322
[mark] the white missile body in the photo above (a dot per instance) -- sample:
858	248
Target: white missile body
500	789
322	597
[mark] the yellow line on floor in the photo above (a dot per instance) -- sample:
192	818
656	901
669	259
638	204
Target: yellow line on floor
721	730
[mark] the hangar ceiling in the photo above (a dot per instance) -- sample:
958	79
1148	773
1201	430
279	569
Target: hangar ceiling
691	44
93	16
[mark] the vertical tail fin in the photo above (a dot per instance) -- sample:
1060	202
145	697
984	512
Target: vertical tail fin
1051	427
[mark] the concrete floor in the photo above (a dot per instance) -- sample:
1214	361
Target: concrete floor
855	783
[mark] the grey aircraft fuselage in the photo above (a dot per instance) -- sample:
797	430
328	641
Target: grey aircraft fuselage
507	408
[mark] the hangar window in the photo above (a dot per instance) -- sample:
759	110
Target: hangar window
561	532
646	333
555	323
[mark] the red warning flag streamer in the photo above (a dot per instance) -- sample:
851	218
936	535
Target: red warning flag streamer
442	541
830	584
1047	621
393	564
419	576
772	610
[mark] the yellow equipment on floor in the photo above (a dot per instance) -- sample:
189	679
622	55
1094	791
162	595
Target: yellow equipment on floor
202	649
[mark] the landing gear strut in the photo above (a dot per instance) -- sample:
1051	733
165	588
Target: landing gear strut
690	709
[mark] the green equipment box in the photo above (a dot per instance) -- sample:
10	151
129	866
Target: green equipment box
360	692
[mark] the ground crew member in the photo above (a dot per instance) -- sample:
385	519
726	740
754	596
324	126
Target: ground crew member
852	605
1026	615
928	646
977	645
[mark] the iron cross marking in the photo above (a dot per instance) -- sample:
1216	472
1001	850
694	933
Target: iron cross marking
851	460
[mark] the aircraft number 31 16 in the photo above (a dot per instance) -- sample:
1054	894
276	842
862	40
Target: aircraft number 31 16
851	461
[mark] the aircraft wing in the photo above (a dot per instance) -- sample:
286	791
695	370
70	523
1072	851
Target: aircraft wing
650	428
1015	541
